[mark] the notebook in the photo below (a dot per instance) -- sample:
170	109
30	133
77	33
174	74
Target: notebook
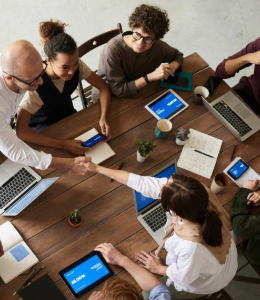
42	289
199	154
100	152
18	257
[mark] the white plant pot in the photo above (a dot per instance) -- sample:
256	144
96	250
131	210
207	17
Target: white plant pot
140	158
179	142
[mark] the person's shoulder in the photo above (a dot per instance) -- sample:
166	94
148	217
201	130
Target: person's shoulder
180	246
113	45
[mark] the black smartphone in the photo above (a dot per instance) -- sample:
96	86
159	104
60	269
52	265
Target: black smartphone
94	140
211	84
238	169
178	81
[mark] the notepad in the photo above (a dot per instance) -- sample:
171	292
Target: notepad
100	152
18	257
199	154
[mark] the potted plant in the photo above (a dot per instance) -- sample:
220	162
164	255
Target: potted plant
144	148
75	218
181	136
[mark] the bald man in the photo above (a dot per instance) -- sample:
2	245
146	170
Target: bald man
21	69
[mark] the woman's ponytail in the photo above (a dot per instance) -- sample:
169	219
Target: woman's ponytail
211	229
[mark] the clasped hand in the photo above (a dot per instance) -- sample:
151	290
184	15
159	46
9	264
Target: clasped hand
254	197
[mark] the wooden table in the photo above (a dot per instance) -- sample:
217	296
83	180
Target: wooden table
107	207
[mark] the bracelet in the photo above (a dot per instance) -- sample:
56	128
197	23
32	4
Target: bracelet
146	79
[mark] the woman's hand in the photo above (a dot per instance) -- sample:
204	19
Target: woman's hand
110	253
95	296
254	198
151	262
252	185
91	167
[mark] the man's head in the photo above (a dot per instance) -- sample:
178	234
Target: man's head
149	22
22	60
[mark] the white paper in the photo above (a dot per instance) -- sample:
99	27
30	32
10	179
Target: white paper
9	236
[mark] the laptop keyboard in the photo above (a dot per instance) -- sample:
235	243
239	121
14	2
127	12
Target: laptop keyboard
156	219
14	186
222	108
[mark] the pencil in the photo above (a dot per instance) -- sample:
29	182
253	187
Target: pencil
24	282
232	156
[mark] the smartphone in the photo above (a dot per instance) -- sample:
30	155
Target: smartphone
178	81
238	169
211	84
94	140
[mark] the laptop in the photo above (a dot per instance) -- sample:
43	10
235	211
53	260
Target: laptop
234	115
149	211
19	186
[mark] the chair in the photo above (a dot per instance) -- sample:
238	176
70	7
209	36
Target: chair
221	295
85	94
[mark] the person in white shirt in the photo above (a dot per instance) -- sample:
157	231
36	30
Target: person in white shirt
21	69
51	102
201	255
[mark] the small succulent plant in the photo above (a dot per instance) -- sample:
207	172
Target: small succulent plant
145	148
75	217
182	134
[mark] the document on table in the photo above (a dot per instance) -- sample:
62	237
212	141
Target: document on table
199	154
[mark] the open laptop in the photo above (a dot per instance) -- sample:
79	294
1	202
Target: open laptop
19	186
234	115
149	211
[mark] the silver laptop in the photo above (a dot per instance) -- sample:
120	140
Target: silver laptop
149	211
234	115
19	186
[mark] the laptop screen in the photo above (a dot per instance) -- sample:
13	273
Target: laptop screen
143	201
30	196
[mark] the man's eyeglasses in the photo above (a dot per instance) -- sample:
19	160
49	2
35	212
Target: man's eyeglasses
35	80
147	40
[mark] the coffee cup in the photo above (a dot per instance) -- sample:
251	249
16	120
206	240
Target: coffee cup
163	129
198	92
220	181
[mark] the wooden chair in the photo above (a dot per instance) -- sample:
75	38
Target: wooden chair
221	295
85	94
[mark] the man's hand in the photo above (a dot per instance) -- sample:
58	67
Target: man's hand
254	198
74	146
95	296
162	72
1	249
78	166
252	185
253	58
110	253
150	262
105	128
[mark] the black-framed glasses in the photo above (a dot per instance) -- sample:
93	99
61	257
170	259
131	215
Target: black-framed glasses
147	40
35	80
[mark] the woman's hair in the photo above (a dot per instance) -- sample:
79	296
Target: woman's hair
55	40
120	289
151	19
189	199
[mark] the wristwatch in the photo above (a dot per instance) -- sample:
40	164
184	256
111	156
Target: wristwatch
146	79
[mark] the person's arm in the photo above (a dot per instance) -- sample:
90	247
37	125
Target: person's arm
25	133
145	279
105	98
1	249
75	165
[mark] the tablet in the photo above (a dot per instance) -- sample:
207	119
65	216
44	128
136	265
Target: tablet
166	106
86	273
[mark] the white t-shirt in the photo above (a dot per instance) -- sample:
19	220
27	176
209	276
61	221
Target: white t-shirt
192	267
32	101
10	145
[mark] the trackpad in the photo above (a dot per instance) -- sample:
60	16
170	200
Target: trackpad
4	176
242	111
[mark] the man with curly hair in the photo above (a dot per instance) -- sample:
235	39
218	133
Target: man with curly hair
133	59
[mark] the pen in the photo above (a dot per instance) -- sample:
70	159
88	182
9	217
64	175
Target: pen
120	167
24	282
204	153
232	156
35	274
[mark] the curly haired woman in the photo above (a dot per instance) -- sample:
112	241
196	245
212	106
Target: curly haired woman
133	59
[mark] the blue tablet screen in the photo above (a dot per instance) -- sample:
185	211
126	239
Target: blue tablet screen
143	201
95	139
86	273
166	106
238	169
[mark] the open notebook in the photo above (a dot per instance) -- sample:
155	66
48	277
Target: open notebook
199	154
18	257
100	152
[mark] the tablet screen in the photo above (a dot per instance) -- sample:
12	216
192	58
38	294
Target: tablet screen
86	274
166	106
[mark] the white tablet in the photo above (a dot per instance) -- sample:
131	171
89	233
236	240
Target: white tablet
166	106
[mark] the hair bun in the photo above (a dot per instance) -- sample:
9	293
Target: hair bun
51	28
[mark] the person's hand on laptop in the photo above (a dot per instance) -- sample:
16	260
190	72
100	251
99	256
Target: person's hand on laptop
105	128
1	249
95	296
74	146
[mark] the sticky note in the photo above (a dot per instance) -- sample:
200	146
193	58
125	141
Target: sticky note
19	252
